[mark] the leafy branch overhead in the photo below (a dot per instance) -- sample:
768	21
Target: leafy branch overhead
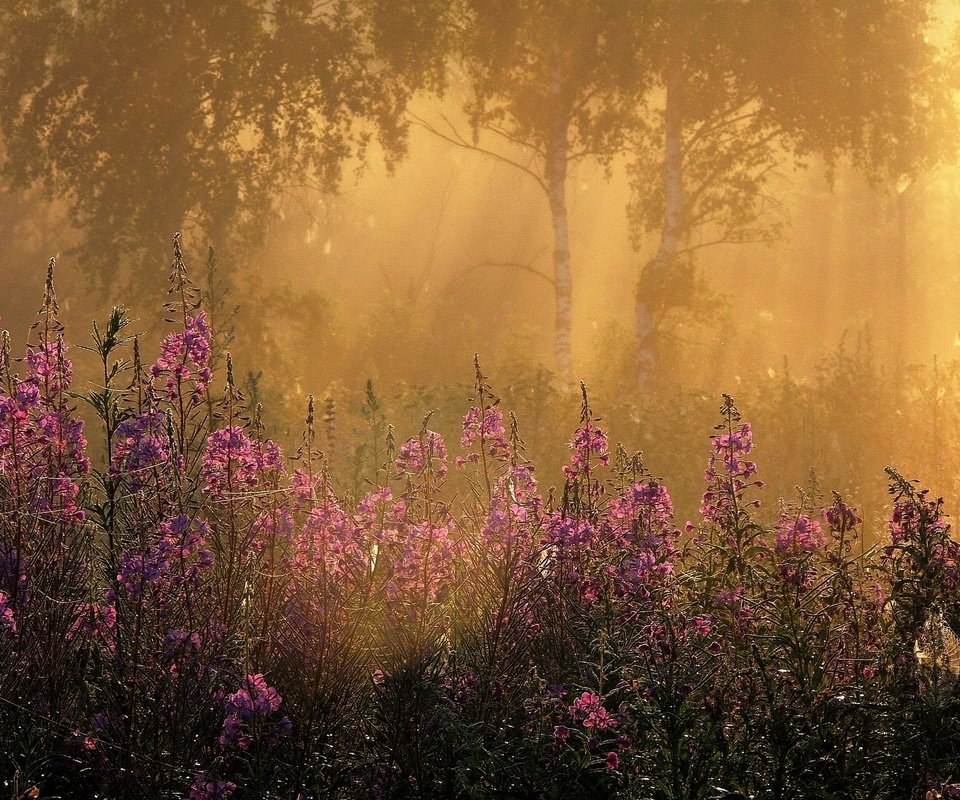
146	116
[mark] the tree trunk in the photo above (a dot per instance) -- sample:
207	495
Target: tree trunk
562	273
654	275
901	330
555	172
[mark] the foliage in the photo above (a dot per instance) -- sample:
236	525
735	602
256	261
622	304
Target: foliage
230	100
746	88
241	103
194	615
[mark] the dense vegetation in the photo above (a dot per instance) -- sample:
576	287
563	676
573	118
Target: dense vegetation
246	593
199	616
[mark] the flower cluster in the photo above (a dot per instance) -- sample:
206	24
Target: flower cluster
911	519
921	547
177	554
486	427
840	517
589	712
140	444
590	448
48	368
204	788
42	444
797	534
249	711
641	521
513	512
233	464
422	626
8	623
423	566
185	357
331	538
420	453
728	474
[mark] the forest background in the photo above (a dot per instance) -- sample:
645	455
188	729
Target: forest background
664	200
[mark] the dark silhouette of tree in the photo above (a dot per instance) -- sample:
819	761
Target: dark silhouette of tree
745	87
152	117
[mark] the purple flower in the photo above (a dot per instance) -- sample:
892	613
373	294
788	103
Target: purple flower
248	712
728	473
8	623
798	534
140	445
234	464
204	788
591	713
48	367
840	516
423	452
488	427
177	553
590	448
185	356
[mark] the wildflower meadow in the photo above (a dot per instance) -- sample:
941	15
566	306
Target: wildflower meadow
187	610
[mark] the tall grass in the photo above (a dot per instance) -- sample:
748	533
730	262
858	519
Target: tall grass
190	613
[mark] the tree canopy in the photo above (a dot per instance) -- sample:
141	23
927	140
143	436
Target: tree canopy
707	99
563	81
745	87
151	116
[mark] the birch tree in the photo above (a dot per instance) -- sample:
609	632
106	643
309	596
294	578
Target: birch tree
557	83
149	117
744	88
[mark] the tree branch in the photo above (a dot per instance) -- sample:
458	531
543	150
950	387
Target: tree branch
528	267
456	138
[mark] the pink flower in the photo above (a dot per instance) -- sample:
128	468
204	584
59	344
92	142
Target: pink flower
248	712
796	535
588	709
8	623
728	473
590	448
185	356
234	464
420	453
48	367
701	626
840	516
613	760
423	567
488	428
178	553
139	445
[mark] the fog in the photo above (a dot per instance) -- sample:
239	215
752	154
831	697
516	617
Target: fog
404	272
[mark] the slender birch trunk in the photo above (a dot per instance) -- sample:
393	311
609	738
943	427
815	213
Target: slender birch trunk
556	176
654	274
556	154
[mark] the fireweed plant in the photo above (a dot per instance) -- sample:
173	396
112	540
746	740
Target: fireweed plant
193	614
